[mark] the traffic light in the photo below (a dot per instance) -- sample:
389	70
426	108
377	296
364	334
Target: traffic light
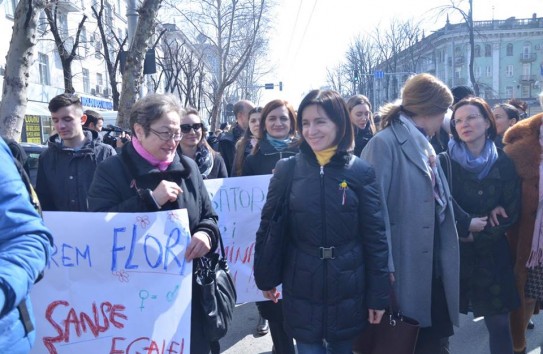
280	85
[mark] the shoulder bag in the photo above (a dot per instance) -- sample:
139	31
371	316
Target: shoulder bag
218	293
268	261
395	333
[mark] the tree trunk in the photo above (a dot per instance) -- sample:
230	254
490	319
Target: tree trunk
67	72
18	62
133	73
216	110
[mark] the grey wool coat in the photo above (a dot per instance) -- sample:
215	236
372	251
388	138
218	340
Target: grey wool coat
409	211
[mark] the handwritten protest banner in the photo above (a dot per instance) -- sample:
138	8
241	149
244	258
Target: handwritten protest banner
117	283
238	202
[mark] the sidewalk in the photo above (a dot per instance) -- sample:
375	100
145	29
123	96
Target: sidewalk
470	338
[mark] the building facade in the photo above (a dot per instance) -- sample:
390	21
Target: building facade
508	60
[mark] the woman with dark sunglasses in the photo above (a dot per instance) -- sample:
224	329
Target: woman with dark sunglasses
194	145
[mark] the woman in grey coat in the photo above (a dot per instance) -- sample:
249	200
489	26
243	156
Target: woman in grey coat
424	257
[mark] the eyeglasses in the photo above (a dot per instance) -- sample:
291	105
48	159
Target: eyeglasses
167	136
469	119
186	128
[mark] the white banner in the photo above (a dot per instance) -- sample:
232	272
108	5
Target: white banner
117	283
239	201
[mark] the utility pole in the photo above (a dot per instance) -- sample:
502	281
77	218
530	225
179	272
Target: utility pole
132	18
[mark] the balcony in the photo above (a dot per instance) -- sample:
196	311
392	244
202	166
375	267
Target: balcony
526	78
527	57
69	5
459	61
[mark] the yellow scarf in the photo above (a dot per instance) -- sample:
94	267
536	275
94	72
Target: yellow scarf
324	156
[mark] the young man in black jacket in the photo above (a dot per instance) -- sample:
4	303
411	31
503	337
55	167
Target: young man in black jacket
66	168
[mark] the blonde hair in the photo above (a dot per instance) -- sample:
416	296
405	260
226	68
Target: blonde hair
422	94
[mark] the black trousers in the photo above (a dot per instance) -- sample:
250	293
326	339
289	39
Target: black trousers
435	339
273	312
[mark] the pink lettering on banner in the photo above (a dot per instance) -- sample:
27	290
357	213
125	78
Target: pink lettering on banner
243	255
100	320
146	345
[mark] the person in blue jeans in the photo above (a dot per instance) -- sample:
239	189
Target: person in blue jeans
25	248
334	265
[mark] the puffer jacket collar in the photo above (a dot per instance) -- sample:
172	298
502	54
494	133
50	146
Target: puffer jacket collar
341	158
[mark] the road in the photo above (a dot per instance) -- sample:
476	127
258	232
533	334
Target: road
470	338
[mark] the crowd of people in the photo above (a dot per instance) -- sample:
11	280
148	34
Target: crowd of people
439	205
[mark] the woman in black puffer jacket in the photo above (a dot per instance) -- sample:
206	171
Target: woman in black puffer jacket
334	272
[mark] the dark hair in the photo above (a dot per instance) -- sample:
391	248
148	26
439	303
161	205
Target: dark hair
241	106
336	109
270	106
151	108
511	111
361	99
422	94
461	92
64	100
203	140
521	105
92	117
485	111
239	157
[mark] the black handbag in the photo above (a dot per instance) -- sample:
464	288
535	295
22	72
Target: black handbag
218	293
268	262
395	333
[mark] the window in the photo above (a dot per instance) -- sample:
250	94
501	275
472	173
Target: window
86	81
109	15
477	71
43	62
525	91
509	91
488	71
488	50
509	50
63	24
11	5
83	42
509	71
477	51
99	79
42	22
98	48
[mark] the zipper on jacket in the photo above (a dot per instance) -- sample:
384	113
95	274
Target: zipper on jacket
324	244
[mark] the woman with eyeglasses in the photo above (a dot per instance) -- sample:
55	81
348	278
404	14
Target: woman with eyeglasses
247	142
277	138
362	120
194	145
486	186
150	175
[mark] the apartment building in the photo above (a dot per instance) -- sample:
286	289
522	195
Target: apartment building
508	60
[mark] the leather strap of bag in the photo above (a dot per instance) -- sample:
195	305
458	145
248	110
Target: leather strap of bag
291	164
448	168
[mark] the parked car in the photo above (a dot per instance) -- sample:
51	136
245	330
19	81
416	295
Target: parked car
33	152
